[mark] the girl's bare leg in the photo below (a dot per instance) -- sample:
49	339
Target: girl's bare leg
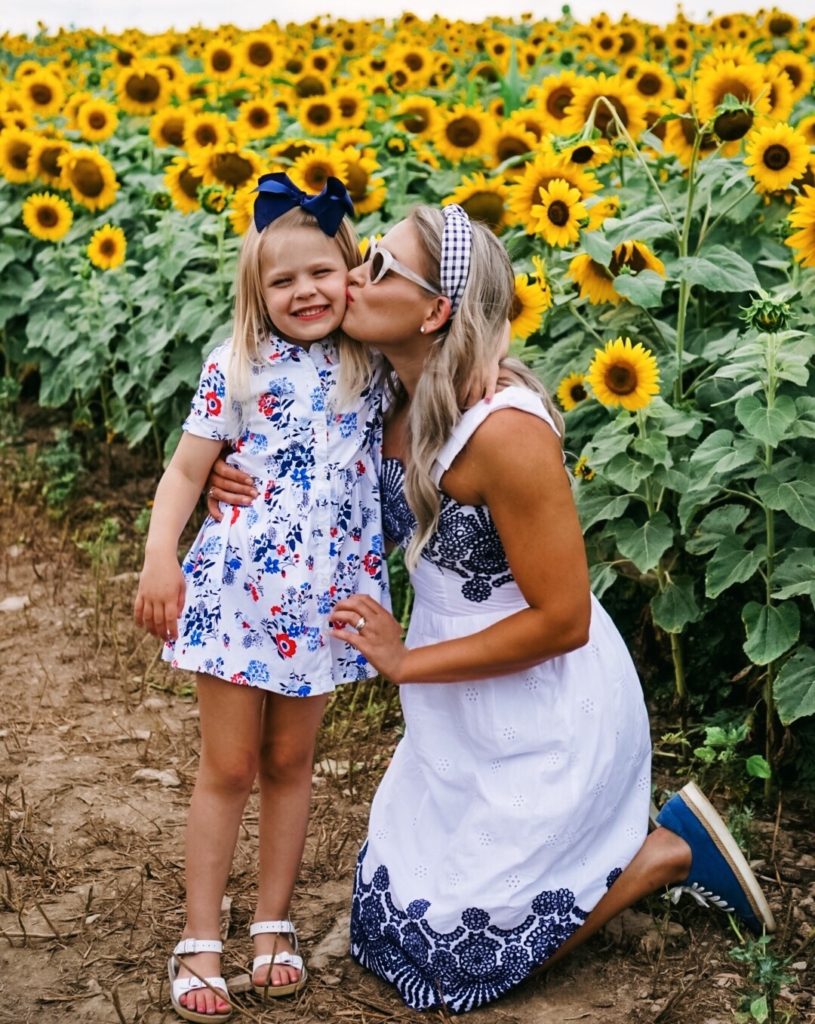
230	720
289	733
663	859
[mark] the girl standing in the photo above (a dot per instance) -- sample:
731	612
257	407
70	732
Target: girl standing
248	612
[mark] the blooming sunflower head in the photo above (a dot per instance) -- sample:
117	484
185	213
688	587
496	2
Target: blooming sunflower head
47	216
530	301
623	374
142	88
572	390
560	213
90	178
582	470
802	217
484	199
776	155
96	120
107	247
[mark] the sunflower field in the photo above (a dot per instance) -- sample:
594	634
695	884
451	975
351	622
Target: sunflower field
655	188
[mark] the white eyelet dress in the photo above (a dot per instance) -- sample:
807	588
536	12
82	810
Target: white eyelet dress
512	803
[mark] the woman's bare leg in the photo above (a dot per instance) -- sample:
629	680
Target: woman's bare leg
289	733
230	721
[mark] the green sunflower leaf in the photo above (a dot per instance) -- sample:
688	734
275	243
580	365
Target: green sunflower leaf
594	507
796	498
676	606
771	630
720	523
645	544
643	289
769	425
794	687
719	270
732	563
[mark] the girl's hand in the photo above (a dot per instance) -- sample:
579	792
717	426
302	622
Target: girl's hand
487	385
378	638
160	599
230	485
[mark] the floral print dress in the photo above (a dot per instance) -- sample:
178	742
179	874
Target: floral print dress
511	803
262	582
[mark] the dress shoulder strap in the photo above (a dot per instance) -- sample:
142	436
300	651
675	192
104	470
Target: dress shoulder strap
514	397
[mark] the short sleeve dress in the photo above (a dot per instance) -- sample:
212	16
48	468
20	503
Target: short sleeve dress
511	803
262	582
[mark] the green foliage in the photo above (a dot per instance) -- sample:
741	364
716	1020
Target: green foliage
62	469
767	976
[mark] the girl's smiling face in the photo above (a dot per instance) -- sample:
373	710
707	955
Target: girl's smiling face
303	279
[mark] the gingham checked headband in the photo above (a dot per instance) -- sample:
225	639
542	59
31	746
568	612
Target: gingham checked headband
456	241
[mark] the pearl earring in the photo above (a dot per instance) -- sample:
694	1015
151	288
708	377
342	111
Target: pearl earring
421	329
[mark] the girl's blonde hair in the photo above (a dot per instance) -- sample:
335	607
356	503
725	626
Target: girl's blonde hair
460	353
253	324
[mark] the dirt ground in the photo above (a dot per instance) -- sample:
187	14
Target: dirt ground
97	760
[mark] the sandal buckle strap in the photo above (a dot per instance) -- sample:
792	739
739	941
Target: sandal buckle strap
189	947
265	927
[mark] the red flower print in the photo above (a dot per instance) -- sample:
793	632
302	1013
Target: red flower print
214	404
360	467
281	549
236	511
334	531
266	405
240	679
371	563
285	645
267	494
276	609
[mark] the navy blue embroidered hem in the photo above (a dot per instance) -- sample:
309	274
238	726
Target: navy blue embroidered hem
474	964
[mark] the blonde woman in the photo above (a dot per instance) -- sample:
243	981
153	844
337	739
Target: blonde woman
511	823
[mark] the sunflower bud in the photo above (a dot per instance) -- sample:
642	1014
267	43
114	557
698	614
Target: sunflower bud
767	314
161	201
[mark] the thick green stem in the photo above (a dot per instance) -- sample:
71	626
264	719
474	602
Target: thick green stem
684	286
769	529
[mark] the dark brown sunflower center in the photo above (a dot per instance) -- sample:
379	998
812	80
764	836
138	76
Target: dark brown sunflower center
628	42
172	131
205	135
143	88
294	150
231	169
107	247
558	213
259	55
498	49
310	85
517	307
487	72
87	178
463	132
221	60
415	61
780	26
607	43
41	93
356	180
294	65
316	176
98	120
557	101
49	160
319	114
794	73
658	41
732	125
776	157
124	58
649	84
348	106
258	117
415	122
577	393
581	154
509	147
47	217
620	379
732	87
189	183
17	154
487	207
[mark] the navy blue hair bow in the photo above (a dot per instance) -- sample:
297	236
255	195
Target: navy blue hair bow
277	194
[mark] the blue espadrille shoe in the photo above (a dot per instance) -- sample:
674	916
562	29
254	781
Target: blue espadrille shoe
719	874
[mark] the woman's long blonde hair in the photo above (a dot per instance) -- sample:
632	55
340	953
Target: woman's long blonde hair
461	350
253	325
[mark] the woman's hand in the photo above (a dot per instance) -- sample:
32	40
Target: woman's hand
160	599
230	485
375	633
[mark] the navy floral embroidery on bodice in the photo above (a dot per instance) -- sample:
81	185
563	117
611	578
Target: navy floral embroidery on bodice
467	967
466	542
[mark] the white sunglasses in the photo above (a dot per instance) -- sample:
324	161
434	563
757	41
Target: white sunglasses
381	261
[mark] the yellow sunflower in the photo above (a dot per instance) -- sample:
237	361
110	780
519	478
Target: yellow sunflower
167	127
44	159
798	68
682	131
605	91
221	60
258	118
776	156
319	115
310	171
582	470
553	96
107	247
417	115
47	216
257	54
288	152
624	374
207	128
368	192
744	82
588	153
352	106
90	177
653	83
183	185
806	126
803	218
529	304
572	390
528	120
43	92
484	200
511	142
464	133
142	88
559	215
599	209
537	174
16	148
597	282
226	165
96	120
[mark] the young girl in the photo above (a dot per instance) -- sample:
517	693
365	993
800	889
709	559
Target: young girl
249	610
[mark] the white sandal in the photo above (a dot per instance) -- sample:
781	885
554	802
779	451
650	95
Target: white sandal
283	958
181	986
